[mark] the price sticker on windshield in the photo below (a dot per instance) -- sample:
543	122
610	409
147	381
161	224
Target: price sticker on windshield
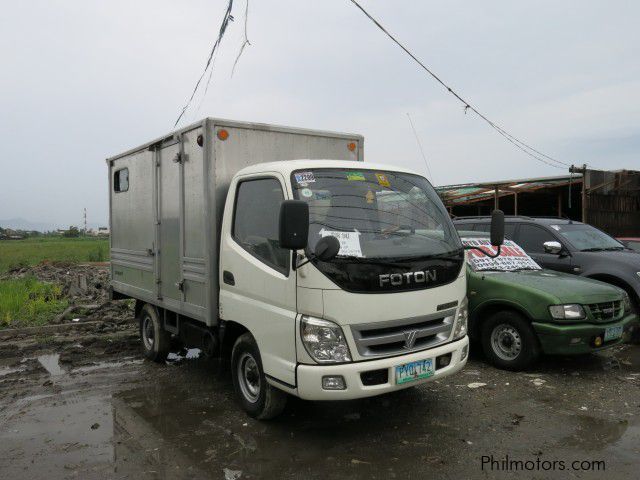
349	242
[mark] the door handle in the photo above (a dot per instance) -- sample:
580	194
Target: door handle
227	277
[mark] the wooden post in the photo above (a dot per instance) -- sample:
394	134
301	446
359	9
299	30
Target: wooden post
584	193
559	204
583	171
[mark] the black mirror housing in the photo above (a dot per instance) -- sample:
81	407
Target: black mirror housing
294	224
497	228
327	248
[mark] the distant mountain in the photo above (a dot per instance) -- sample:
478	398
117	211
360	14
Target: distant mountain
23	224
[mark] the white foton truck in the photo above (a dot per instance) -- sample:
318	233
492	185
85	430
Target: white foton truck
318	275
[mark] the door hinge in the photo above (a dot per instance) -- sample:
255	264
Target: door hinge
180	285
150	252
178	158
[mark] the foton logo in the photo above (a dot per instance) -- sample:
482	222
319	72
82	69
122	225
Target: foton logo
398	279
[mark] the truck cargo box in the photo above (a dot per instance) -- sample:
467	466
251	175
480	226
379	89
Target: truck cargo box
166	200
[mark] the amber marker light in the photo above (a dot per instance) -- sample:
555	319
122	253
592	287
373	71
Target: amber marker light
352	147
223	134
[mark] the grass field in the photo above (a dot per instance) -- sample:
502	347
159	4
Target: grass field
34	251
28	302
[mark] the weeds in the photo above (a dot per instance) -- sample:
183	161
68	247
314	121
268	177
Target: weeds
28	302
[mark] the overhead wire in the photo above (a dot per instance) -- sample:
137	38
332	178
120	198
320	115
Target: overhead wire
526	148
424	157
223	27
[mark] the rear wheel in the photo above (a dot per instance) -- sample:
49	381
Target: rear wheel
509	342
156	340
257	397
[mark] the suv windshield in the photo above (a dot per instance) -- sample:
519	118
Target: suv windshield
586	238
376	214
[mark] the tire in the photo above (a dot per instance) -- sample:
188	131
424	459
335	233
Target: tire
257	397
509	342
156	341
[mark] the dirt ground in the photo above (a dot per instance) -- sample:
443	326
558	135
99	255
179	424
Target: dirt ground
86	405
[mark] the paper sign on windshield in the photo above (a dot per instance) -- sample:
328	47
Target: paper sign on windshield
512	256
349	242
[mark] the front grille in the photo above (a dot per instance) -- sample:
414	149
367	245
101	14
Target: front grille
402	336
606	311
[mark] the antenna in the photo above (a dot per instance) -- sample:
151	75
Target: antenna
424	157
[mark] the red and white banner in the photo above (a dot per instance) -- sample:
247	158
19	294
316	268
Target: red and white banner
512	256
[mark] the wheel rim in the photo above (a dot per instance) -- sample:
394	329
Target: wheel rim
148	334
249	377
506	342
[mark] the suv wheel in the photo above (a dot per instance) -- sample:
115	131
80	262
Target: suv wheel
257	397
509	342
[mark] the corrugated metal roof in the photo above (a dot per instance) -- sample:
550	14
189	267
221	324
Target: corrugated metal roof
476	192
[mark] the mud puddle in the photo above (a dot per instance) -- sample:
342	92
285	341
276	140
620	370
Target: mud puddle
121	417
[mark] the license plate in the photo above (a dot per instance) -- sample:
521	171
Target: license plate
410	372
612	333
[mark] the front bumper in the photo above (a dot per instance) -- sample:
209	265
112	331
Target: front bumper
309	377
578	338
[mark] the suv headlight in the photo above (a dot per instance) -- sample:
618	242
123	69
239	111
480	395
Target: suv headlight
626	301
567	312
461	320
324	340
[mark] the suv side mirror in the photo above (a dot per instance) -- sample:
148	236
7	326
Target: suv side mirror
497	228
294	224
552	247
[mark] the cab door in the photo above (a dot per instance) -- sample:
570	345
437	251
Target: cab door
257	285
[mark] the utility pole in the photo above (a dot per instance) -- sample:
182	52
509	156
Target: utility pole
583	171
85	222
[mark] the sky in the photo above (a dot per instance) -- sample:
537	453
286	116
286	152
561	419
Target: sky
86	79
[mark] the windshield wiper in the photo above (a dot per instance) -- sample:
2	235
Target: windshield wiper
593	249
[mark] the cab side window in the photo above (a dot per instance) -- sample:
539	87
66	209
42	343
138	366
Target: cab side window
532	238
255	221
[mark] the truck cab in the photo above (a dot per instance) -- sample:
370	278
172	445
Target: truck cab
387	312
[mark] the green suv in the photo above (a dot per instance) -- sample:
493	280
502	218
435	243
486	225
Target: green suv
519	311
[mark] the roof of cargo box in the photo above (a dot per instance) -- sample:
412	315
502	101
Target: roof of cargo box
237	124
286	167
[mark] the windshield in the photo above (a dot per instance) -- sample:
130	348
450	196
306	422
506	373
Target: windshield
586	238
375	214
512	257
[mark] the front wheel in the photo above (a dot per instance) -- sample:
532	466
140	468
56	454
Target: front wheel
258	398
509	342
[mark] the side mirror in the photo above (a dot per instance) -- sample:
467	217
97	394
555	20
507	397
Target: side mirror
497	228
554	248
294	224
327	248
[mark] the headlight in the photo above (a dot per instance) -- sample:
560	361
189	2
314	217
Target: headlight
324	340
626	301
567	312
461	320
